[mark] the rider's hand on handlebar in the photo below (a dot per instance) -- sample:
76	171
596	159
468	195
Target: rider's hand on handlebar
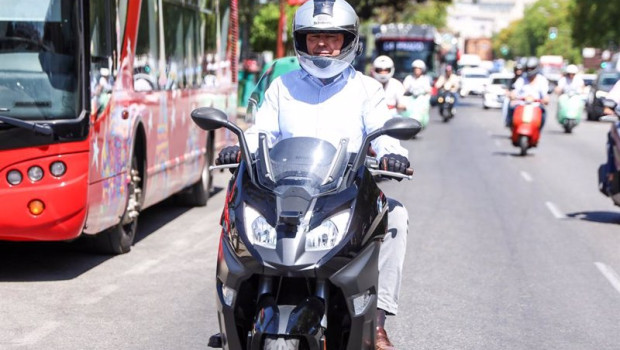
394	163
229	155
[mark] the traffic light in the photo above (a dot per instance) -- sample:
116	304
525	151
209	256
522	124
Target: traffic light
553	33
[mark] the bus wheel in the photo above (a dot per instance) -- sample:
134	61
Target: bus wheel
198	194
119	238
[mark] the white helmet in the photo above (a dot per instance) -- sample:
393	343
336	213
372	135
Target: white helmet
320	16
572	69
418	64
380	64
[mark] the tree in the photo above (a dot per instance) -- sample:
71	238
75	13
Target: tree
265	27
530	35
595	23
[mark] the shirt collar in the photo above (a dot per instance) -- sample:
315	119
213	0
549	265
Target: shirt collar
349	72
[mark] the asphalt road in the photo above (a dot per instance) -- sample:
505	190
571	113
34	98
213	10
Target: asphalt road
504	252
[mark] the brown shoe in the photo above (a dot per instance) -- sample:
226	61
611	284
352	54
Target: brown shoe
381	340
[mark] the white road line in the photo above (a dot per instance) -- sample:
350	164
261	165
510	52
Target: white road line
527	177
610	274
555	211
98	295
37	334
497	143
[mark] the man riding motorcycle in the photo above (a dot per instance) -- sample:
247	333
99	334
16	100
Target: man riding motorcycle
530	86
296	104
418	83
383	70
571	82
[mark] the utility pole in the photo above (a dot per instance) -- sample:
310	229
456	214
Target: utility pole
281	30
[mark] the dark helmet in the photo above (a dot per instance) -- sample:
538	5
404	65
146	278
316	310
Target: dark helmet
531	67
517	67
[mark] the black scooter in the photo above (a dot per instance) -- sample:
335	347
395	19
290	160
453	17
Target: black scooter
609	172
446	102
301	230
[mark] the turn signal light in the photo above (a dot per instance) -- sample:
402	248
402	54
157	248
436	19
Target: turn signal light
36	207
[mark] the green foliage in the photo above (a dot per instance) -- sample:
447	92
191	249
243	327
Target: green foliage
596	22
263	35
530	35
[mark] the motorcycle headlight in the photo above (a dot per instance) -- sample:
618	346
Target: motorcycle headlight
258	229
329	233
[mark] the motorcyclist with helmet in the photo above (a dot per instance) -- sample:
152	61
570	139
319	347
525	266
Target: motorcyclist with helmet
518	72
328	99
418	83
383	71
571	82
449	81
531	86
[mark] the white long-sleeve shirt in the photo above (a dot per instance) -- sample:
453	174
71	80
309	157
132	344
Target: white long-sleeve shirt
394	92
351	106
417	86
567	85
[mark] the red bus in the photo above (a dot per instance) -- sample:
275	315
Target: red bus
95	103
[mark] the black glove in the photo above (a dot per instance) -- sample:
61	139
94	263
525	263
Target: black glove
394	163
229	155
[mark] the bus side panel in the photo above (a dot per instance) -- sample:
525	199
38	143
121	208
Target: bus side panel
112	142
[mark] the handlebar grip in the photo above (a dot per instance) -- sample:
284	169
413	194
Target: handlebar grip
409	171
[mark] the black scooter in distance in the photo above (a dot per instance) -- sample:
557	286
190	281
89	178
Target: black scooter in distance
301	230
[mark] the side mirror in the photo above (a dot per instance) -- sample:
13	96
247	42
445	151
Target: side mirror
208	118
401	128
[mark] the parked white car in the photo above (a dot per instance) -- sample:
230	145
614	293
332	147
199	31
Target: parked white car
495	90
473	81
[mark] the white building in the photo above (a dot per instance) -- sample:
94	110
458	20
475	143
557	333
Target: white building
482	18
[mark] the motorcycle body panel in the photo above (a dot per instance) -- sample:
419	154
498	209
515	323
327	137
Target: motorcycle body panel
418	108
570	106
526	120
609	172
292	297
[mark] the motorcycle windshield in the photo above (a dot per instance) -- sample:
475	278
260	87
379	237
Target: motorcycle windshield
313	164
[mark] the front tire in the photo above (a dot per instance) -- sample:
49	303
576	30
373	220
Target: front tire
198	194
119	238
523	144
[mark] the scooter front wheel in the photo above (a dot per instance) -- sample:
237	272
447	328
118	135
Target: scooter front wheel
568	126
524	144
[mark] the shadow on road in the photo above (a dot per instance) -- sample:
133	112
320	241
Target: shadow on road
516	154
57	261
603	217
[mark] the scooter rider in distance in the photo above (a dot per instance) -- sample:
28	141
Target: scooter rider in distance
530	86
570	82
326	41
418	83
449	83
383	71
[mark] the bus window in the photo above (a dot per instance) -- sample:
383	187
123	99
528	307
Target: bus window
173	39
38	61
146	68
102	53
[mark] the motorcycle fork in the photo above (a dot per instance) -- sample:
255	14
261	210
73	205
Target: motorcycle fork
321	291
